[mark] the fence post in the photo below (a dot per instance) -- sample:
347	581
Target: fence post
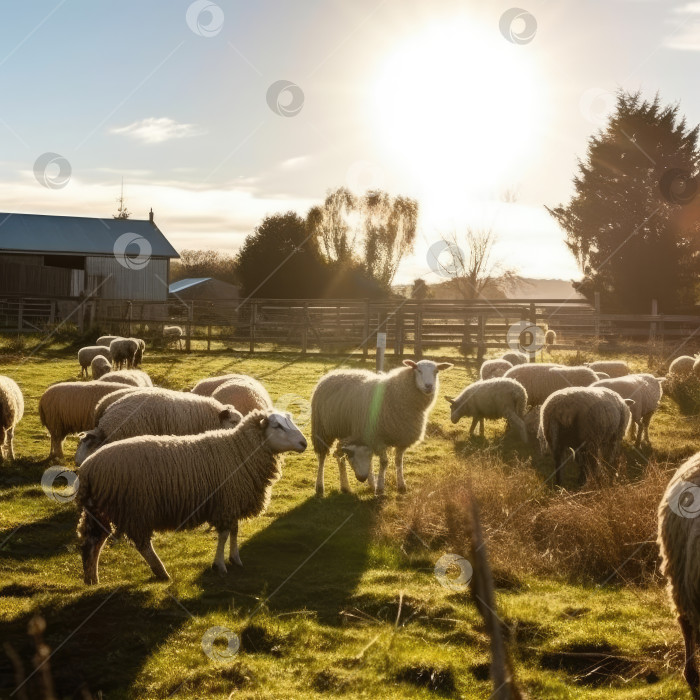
418	331
398	339
381	341
652	325
481	339
253	313
20	313
190	315
533	322
129	314
209	337
596	318
52	312
365	343
305	329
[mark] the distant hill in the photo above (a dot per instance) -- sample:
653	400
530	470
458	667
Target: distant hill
525	288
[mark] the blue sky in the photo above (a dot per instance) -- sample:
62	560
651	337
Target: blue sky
423	98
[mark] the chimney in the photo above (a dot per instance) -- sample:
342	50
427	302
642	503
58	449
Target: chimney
150	215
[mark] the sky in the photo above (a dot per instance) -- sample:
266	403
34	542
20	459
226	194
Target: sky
218	114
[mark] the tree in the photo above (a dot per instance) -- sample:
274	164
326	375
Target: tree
632	223
280	259
419	289
469	262
204	263
330	224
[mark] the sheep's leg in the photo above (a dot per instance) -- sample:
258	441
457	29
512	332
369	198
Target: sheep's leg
519	424
690	670
219	563
383	464
473	425
149	554
56	446
400	481
342	470
10	442
645	422
481	426
370	480
233	556
319	475
640	432
95	533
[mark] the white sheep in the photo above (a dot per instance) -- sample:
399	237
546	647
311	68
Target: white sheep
87	354
550	338
494	368
171	333
541	380
152	483
679	543
491	398
646	391
696	367
586	422
131	377
156	412
245	393
99	366
106	340
613	368
379	410
515	357
206	387
105	402
69	407
11	412
682	366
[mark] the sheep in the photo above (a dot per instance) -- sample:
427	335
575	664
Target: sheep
515	357
492	398
87	354
132	377
69	407
138	355
682	366
613	368
541	380
123	351
153	483
106	340
550	338
494	368
696	367
104	403
99	366
206	387
381	410
646	391
11	412
171	333
583	421
678	538
245	393
156	412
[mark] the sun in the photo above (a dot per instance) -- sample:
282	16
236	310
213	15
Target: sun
459	107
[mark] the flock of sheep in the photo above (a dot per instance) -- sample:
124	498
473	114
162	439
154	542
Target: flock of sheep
152	459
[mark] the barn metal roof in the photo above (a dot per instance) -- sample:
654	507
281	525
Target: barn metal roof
178	286
39	233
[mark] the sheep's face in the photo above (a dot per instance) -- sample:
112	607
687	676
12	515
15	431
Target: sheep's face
281	434
457	409
425	374
89	443
360	458
230	417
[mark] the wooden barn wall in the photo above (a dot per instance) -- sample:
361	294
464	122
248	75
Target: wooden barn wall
33	280
117	282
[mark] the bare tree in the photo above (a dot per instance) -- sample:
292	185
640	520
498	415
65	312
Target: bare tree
330	223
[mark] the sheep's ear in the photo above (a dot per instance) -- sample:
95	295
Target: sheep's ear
410	363
443	366
348	450
662	380
629	402
449	400
81	436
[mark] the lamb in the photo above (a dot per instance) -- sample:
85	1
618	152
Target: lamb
541	380
613	368
245	393
515	357
682	366
206	387
381	410
100	366
678	539
106	340
646	391
171	333
492	398
132	377
11	412
494	368
584	422
69	407
124	351
156	412
153	483
87	354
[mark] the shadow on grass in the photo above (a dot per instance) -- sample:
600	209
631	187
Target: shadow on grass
40	539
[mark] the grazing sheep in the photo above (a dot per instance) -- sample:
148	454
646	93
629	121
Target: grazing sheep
245	393
585	422
156	412
11	412
69	407
123	352
678	539
380	410
206	387
88	354
492	398
171	333
541	380
515	357
132	377
104	403
152	483
100	366
550	338
138	356
682	366
696	367
613	368
106	340
646	391
494	368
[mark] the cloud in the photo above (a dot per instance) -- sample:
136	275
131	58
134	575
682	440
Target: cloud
294	163
157	130
685	35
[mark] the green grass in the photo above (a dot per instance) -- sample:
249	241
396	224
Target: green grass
328	603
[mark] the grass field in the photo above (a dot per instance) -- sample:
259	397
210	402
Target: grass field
337	597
